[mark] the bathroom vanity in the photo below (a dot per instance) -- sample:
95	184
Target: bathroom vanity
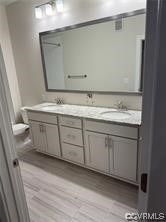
91	58
102	139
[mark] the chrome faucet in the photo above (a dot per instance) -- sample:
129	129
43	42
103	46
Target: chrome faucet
120	106
90	95
59	100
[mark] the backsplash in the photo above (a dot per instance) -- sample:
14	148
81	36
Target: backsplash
132	101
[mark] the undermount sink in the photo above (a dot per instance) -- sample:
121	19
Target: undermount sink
116	114
49	108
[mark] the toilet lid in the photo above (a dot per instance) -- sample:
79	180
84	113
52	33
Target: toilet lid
19	128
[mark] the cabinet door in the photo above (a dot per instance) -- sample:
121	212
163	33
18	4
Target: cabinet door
124	157
97	151
52	134
38	136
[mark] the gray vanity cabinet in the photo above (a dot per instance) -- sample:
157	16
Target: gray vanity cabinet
97	153
72	144
112	149
53	144
112	154
108	148
45	137
123	157
38	136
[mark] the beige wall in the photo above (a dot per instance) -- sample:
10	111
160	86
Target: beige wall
24	29
5	43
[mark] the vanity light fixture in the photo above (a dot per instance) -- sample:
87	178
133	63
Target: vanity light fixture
47	9
59	5
38	13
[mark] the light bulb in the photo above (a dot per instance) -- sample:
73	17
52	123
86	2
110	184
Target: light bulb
38	13
59	5
49	10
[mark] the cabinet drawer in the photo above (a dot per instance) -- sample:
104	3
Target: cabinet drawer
71	122
71	135
112	129
73	153
42	117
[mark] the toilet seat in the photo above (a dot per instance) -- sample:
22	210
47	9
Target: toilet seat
20	128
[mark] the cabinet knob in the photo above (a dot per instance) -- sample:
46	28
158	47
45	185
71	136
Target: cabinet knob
140	139
42	128
106	142
110	143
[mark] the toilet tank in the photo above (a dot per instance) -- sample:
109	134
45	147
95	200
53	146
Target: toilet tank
24	115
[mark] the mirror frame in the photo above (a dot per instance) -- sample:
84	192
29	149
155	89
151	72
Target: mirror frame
79	25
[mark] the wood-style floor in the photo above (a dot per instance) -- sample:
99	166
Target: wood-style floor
57	191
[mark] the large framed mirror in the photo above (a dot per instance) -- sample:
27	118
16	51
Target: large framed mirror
101	56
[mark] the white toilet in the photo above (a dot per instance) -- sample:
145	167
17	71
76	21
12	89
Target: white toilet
21	133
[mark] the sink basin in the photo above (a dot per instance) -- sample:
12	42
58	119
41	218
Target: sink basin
49	108
116	114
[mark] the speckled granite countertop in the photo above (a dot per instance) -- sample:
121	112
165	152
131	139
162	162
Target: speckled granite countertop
88	112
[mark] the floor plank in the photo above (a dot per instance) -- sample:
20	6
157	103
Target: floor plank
59	191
